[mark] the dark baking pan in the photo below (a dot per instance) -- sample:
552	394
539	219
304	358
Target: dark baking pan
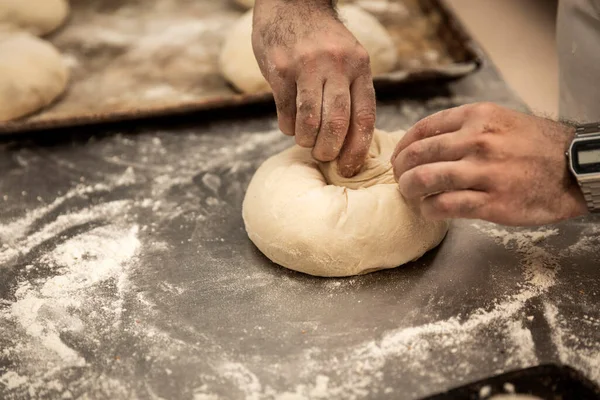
548	382
133	59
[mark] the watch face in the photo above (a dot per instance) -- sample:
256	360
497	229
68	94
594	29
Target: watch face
585	156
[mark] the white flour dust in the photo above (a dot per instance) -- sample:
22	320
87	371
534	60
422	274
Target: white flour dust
56	288
45	309
360	369
572	350
75	255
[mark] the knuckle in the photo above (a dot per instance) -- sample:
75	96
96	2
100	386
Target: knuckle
308	60
422	177
443	205
307	55
365	118
412	155
337	125
362	57
309	124
307	105
320	154
334	50
341	103
282	65
448	181
482	109
420	129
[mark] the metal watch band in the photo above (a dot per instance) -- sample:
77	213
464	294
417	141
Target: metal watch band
586	129
591	193
590	186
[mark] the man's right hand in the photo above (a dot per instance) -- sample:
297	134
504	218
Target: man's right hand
320	76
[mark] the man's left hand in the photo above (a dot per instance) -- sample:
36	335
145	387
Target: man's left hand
487	162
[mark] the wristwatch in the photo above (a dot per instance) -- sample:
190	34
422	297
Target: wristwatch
584	161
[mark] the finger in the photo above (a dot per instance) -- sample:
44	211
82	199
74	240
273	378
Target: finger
335	120
308	115
450	147
445	121
284	92
470	204
362	124
430	179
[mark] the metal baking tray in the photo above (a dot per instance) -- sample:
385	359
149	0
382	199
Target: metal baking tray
545	381
133	59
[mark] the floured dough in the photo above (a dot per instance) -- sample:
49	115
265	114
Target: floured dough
38	17
239	66
304	216
32	75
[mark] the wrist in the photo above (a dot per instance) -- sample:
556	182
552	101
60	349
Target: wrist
283	21
584	163
283	8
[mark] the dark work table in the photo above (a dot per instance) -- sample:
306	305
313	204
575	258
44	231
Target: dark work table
125	272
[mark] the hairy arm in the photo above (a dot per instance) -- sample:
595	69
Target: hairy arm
487	162
320	76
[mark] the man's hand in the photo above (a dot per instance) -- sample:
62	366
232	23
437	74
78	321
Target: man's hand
487	162
320	76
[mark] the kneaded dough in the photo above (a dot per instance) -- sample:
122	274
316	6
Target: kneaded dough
32	75
38	17
239	66
305	216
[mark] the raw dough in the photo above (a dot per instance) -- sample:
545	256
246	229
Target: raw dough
304	216
38	17
32	75
239	66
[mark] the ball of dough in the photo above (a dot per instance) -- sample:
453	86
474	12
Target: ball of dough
239	66
304	216
32	75
372	35
38	17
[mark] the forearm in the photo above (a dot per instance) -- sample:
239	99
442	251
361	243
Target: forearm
283	8
279	22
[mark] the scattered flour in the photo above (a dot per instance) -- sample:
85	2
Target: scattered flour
56	287
74	257
571	350
47	308
12	380
359	370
